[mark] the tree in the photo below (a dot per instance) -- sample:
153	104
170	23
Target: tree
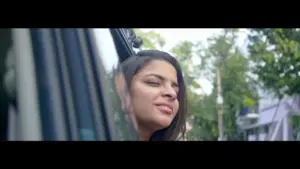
237	92
275	53
183	52
151	39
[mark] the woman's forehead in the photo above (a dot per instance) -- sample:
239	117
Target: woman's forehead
159	68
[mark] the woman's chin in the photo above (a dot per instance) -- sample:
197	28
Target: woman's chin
163	122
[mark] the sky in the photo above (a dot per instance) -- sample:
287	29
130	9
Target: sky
174	36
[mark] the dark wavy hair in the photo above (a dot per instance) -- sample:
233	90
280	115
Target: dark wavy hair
131	66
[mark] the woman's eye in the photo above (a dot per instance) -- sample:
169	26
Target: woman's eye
154	83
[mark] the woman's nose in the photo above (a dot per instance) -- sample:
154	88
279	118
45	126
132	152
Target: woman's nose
170	93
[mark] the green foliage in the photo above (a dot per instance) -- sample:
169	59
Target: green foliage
151	39
275	53
183	52
237	92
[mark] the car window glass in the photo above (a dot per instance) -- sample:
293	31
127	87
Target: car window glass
110	60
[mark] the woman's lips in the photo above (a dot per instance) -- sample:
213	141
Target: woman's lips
165	108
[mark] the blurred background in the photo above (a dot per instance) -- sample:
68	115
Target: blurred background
243	84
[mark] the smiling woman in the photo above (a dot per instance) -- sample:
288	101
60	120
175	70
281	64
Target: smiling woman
156	96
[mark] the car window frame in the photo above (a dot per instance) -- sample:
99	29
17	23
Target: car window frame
123	52
27	115
34	131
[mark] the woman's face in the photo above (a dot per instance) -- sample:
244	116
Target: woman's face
154	91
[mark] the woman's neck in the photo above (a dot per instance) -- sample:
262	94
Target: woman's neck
144	133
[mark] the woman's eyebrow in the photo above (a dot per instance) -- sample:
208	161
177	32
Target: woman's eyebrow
155	75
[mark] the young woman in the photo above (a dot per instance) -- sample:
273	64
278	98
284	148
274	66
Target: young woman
153	94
